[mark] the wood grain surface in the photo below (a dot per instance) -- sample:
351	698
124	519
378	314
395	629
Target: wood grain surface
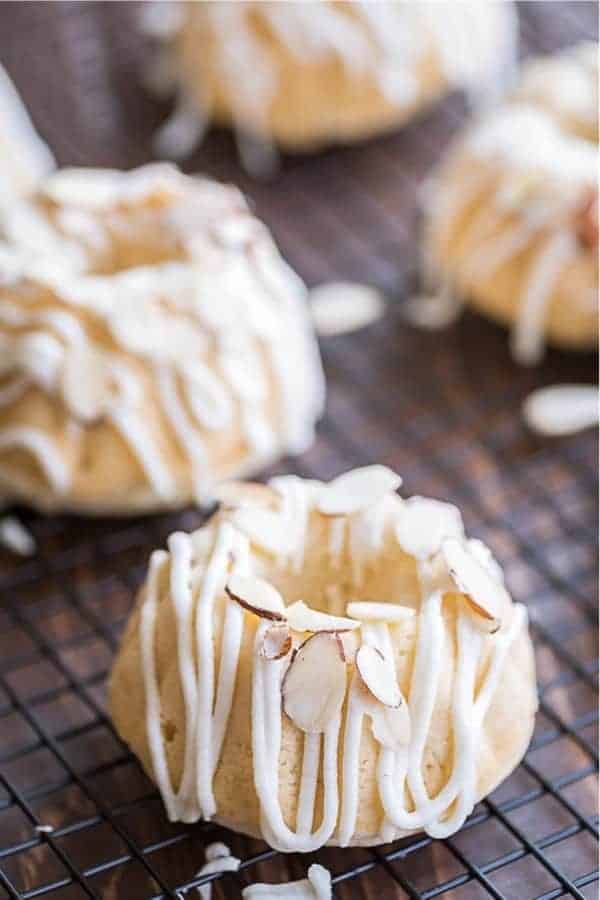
442	409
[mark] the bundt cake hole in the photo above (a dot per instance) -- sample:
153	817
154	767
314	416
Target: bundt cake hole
129	238
139	249
327	584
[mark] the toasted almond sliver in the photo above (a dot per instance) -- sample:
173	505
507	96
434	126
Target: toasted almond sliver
377	676
348	642
263	527
314	685
302	618
485	598
391	726
367	611
357	490
234	494
277	642
257	596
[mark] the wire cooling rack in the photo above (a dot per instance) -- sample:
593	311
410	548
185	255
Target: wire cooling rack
442	410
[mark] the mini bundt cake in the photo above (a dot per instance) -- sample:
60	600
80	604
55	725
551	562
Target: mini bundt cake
511	215
566	86
325	663
303	75
152	342
24	157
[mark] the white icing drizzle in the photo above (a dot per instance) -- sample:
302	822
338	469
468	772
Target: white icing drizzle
24	157
200	337
527	337
207	707
211	726
537	173
208	695
45	451
474	45
139	440
266	743
218	859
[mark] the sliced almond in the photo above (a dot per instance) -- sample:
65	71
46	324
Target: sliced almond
315	683
484	596
391	726
343	307
233	494
301	617
357	490
257	596
367	611
377	676
348	642
485	557
277	642
263	527
562	409
423	523
432	312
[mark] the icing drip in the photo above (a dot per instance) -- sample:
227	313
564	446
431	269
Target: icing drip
527	339
207	364
316	887
218	859
207	698
212	725
139	440
45	451
385	41
266	743
419	525
468	712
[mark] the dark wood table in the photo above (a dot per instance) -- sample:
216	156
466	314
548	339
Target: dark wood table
441	409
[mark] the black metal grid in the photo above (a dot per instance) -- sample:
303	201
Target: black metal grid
441	410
